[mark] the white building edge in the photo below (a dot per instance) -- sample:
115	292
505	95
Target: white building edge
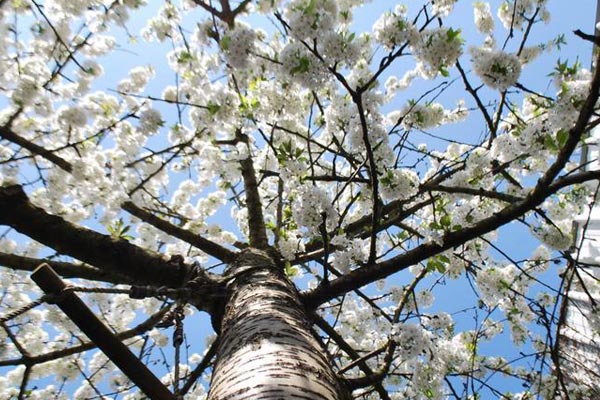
578	333
578	336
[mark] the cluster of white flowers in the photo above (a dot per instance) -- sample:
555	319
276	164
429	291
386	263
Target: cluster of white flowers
97	45
507	287
496	284
530	53
399	184
310	19
419	115
238	43
322	124
393	84
164	24
442	8
137	80
33	73
394	28
512	145
484	21
290	244
339	48
557	235
71	117
437	50
99	20
427	115
427	355
514	13
439	321
460	113
309	206
339	114
412	339
359	327
573	90
354	251
267	6
150	121
299	64
496	68
57	9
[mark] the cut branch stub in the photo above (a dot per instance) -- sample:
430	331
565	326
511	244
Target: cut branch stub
85	319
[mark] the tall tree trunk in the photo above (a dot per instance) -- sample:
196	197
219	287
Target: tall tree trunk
267	349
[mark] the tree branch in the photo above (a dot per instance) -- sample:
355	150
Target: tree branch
55	355
544	188
65	269
205	245
339	340
104	252
211	248
35	149
257	231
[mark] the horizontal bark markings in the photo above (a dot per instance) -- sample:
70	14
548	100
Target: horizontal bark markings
267	349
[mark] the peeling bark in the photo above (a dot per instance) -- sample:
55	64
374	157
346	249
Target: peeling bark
267	349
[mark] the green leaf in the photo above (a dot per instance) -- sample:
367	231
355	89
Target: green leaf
225	42
434	264
270	225
387	179
213	108
311	7
452	35
118	230
549	142
302	67
561	137
290	270
184	57
446	220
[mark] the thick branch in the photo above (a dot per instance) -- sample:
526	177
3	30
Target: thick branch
476	192
102	251
207	246
99	333
55	355
33	148
371	273
65	269
256	222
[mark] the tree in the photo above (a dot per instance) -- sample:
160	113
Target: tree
343	227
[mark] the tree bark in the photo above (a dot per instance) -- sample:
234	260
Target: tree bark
267	349
104	252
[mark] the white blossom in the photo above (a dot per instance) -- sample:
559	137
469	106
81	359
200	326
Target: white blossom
497	69
484	21
150	121
394	28
437	50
